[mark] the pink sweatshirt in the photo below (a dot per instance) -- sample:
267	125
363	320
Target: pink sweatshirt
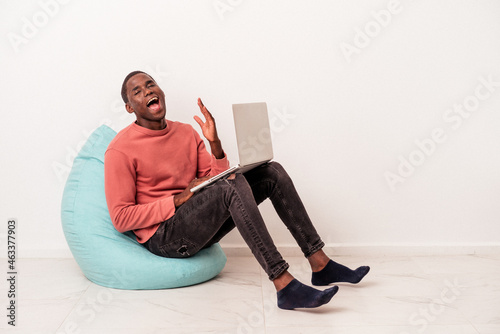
144	169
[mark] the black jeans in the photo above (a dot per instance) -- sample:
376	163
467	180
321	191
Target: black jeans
215	210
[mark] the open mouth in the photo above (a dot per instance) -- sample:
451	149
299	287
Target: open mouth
154	103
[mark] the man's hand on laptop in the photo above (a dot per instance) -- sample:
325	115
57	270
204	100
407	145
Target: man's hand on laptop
209	130
182	197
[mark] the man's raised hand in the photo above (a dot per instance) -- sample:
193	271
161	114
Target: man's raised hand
208	127
209	130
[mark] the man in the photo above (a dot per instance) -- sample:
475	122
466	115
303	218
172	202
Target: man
150	167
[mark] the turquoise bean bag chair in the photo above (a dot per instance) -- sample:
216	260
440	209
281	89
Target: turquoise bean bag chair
108	257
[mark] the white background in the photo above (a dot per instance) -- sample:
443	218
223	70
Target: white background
341	122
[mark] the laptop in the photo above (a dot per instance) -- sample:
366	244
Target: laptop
253	136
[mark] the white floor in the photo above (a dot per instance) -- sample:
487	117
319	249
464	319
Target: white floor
401	295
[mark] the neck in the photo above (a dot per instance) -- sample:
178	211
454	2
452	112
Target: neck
152	125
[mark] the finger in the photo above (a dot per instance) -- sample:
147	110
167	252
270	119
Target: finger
201	105
196	182
203	109
198	120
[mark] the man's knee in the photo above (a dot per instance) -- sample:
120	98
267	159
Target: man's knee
275	165
270	171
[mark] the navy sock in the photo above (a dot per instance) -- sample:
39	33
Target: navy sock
335	272
298	295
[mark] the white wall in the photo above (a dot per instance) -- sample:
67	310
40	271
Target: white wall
346	106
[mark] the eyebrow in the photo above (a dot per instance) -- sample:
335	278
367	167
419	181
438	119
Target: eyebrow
147	83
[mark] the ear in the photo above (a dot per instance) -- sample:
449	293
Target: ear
129	108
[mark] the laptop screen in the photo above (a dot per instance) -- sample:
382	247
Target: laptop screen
253	133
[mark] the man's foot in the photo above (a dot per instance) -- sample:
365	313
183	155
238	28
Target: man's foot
298	295
334	272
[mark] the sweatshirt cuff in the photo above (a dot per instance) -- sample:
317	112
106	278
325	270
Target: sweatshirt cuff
220	164
169	208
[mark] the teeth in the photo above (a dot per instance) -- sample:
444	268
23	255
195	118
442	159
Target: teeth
152	100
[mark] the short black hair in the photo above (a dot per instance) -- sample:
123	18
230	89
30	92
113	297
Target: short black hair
127	78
